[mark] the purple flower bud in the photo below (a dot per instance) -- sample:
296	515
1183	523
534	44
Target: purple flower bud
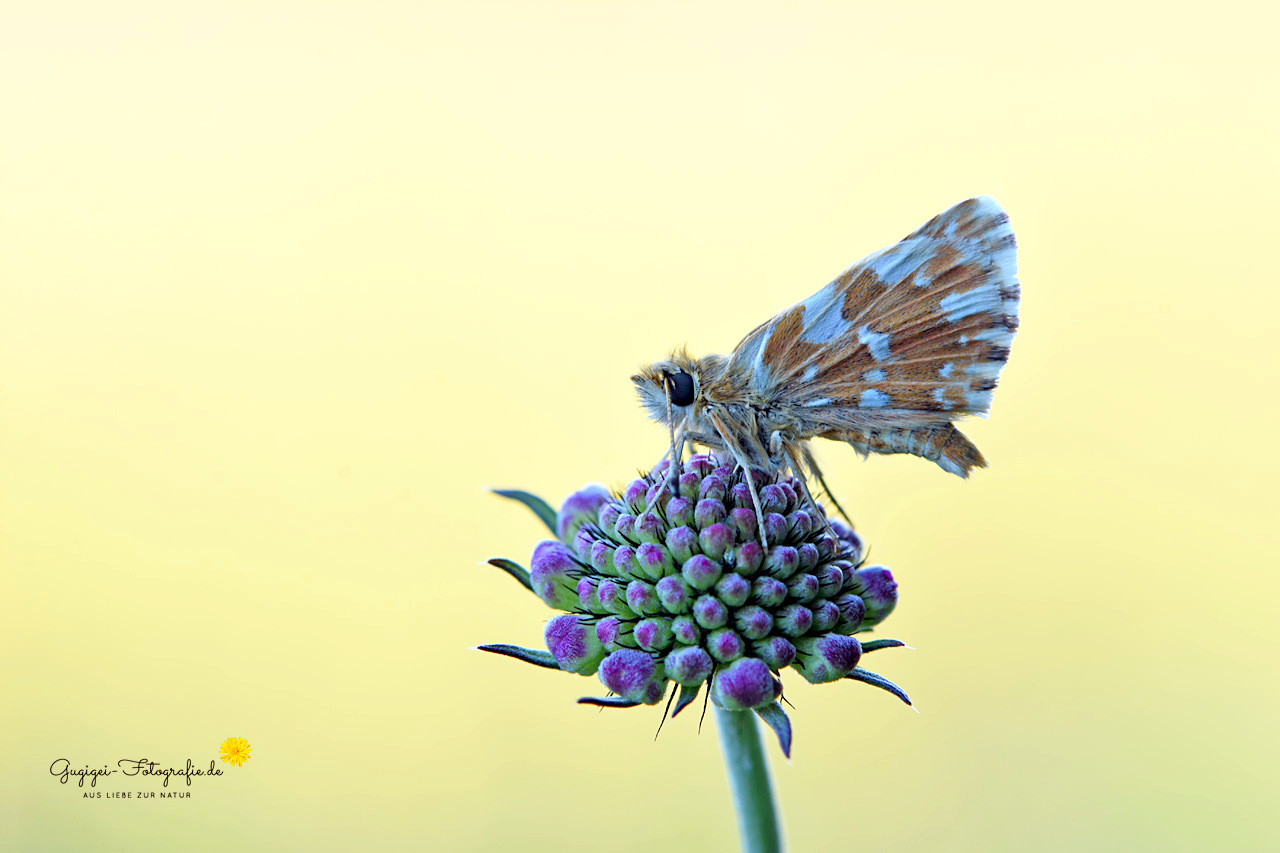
582	542
877	589
658	495
553	575
740	496
654	561
688	666
588	597
749	557
702	463
679	512
633	495
614	634
682	542
733	589
744	684
710	612
689	484
725	645
809	557
830	579
624	529
713	489
828	546
743	523
777	652
602	558
579	508
792	620
768	592
793	497
826	615
724	472
715	540
686	630
774	499
573	644
608	518
753	622
800	523
642	599
782	561
675	594
700	572
852	611
827	658
707	513
613	597
624	562
654	635
649	528
630	674
775	527
802	588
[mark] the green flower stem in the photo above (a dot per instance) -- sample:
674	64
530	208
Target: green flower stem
749	780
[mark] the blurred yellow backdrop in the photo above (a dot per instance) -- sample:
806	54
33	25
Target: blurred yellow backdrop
285	286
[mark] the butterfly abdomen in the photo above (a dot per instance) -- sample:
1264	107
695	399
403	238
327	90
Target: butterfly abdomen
945	445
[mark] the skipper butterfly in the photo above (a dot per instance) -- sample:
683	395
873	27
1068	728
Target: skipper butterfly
884	358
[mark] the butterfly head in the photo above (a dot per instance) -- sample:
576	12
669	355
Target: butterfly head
670	386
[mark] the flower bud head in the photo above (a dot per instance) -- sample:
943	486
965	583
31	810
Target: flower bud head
631	674
753	622
777	652
774	499
826	615
686	630
775	527
654	634
708	512
689	665
715	539
654	561
608	517
800	523
682	542
782	561
614	634
725	645
624	562
573	643
634	495
826	658
740	497
674	594
802	588
809	558
713	489
624	529
679	511
689	484
602	557
877	589
649	528
613	597
642	598
744	684
749	556
580	508
588	597
768	592
553	575
793	620
701	572
710	612
852	611
743	523
830	580
733	589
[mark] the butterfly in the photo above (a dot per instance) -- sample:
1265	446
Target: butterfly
883	358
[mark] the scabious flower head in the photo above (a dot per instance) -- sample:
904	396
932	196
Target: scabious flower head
669	583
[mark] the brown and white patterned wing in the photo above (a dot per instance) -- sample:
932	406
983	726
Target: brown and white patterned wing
914	334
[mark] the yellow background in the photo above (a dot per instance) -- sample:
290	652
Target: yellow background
283	287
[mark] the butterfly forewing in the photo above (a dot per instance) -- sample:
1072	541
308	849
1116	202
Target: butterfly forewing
915	333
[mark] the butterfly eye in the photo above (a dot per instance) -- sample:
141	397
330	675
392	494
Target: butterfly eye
680	388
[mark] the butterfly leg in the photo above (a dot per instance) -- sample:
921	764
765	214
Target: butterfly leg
733	448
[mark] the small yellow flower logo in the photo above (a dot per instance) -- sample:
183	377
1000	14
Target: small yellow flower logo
235	750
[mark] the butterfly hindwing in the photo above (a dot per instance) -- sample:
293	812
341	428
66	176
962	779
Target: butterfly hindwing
914	333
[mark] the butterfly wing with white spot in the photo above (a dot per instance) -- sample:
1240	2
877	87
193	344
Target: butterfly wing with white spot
914	334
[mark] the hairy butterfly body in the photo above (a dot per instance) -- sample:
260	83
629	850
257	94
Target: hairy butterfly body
884	358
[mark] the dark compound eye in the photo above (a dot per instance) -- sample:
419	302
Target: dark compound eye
680	388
